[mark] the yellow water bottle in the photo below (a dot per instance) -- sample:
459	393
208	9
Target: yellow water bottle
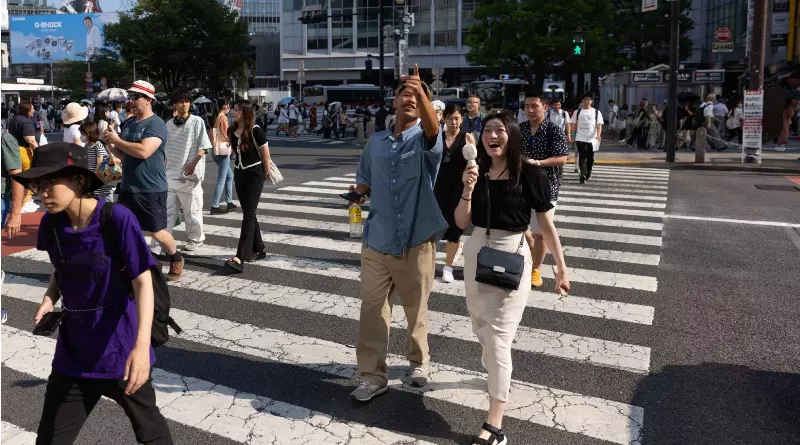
356	225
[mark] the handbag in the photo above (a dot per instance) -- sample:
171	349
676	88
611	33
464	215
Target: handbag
110	169
221	148
275	175
497	267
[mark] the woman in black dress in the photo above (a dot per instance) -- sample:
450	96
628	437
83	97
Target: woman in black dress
448	183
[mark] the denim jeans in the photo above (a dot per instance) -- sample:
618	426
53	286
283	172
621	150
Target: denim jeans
6	210
224	180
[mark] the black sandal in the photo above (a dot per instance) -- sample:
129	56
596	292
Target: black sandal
497	437
256	256
237	266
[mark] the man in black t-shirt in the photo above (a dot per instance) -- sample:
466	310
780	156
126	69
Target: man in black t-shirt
546	147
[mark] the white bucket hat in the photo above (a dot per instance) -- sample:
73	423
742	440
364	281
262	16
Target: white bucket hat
438	105
142	87
74	112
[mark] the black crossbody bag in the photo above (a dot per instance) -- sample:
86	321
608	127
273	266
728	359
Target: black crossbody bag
498	267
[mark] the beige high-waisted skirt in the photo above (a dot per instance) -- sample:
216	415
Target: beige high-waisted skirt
495	312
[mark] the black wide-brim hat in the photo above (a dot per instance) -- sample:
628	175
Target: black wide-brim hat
59	159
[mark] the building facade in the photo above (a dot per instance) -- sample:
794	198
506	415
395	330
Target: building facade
336	51
263	19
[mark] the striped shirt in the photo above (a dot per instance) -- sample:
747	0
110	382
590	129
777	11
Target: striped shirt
183	143
93	151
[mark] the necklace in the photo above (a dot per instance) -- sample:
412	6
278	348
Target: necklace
501	174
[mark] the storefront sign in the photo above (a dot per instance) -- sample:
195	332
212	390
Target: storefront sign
780	23
646	76
709	76
649	5
684	76
723	41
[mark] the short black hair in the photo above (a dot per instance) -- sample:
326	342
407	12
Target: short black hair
586	95
610	100
221	102
555	100
181	95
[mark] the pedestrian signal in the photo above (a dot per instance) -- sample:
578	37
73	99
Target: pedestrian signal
578	44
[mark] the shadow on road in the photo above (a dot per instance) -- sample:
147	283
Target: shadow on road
716	404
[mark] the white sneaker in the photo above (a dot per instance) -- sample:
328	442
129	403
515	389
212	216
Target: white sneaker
447	274
192	245
29	207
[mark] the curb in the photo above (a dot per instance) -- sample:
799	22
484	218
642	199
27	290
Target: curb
709	167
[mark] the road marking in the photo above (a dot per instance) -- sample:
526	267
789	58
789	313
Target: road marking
617	203
632	212
14	435
572	412
605	188
734	221
218	409
611	237
661	179
653	171
632	184
610	195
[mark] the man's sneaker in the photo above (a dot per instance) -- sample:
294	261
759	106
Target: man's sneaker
447	274
192	245
419	376
536	278
231	207
175	270
367	391
4	317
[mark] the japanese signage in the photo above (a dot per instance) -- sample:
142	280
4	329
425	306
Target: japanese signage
709	76
753	116
649	5
646	76
723	41
684	76
780	23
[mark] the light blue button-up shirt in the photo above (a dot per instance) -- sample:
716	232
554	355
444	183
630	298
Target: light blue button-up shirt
400	173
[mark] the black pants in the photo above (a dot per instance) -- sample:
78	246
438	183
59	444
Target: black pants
586	152
68	401
249	184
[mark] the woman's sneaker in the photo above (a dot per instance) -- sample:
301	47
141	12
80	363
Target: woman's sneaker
232	207
447	274
218	211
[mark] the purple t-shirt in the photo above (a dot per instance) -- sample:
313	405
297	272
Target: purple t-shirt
96	343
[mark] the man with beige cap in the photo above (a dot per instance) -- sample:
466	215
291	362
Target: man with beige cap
143	189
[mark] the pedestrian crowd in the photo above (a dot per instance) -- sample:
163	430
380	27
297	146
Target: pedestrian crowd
431	173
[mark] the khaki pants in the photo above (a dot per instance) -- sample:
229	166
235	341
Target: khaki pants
412	275
25	157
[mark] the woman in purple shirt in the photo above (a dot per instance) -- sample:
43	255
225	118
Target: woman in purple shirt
103	346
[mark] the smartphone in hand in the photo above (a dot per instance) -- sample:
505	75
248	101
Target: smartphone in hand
48	324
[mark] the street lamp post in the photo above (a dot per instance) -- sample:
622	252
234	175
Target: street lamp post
134	70
672	100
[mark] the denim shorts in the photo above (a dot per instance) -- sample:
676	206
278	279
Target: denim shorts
150	209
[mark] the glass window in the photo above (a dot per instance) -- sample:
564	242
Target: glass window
342	26
368	29
317	37
467	9
446	23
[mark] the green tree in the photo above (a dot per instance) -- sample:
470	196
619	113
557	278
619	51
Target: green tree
646	35
182	41
71	75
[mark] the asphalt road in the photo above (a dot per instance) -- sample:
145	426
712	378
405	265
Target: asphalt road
679	329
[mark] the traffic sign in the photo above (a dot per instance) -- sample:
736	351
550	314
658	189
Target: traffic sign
649	5
646	76
709	76
723	40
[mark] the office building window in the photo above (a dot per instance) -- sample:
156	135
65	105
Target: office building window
368	25
342	24
467	20
420	34
445	24
317	37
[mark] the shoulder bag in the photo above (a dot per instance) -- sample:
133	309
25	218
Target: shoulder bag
497	267
275	175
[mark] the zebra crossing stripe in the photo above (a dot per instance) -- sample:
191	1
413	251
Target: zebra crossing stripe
654	171
611	195
569	187
606	420
612	211
616	202
599	352
568	233
14	435
236	415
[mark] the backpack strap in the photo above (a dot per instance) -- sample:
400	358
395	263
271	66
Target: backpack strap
110	239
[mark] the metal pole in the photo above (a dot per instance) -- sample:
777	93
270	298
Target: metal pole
672	103
52	85
758	46
134	70
380	49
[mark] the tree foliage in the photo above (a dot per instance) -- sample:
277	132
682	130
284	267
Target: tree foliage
534	37
182	41
71	75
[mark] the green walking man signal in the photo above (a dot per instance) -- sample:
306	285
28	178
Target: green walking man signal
578	44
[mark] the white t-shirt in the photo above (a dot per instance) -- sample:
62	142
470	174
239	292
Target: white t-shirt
612	113
292	112
586	124
71	133
560	118
708	111
183	143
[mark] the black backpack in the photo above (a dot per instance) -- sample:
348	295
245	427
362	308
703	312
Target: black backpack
161	319
699	118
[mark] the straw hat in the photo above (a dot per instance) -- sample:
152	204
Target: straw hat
74	112
142	87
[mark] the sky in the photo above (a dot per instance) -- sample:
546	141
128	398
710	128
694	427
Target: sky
110	5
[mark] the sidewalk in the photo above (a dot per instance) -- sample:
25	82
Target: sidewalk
613	153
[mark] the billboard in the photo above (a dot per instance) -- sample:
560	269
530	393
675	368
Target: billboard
56	37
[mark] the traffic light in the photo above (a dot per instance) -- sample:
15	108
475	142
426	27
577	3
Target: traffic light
368	67
578	44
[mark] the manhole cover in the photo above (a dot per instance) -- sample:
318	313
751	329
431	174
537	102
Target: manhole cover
778	188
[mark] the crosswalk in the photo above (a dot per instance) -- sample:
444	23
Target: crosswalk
268	356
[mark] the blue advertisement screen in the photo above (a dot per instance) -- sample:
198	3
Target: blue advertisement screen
52	38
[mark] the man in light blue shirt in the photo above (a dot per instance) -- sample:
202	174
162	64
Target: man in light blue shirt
398	169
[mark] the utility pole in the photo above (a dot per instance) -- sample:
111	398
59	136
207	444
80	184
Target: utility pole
759	45
672	103
380	47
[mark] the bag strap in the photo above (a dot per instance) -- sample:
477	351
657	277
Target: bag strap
488	208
